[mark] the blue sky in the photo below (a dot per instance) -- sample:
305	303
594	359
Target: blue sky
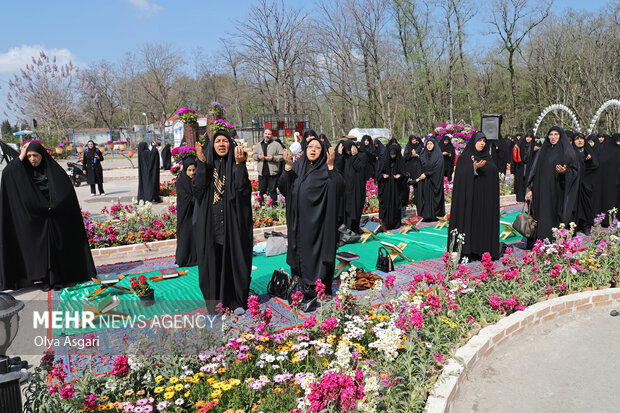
90	30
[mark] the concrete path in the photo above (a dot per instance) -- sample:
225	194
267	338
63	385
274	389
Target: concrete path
570	364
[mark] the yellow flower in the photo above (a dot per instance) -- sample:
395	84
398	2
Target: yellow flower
158	379
169	395
128	392
158	389
260	347
210	380
264	339
104	398
174	380
234	382
277	390
226	387
187	393
170	388
178	387
221	370
216	394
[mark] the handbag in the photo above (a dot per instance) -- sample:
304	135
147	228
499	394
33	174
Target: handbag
279	284
309	301
384	261
525	224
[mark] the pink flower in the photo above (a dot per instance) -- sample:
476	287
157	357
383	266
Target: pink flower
319	287
310	322
438	357
90	401
296	299
389	281
328	325
67	391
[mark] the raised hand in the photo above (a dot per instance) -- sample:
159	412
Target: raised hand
331	156
288	157
22	155
354	150
199	154
240	155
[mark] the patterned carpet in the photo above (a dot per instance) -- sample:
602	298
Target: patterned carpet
180	298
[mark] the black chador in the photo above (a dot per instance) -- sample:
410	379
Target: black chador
148	173
223	225
475	201
92	165
554	193
367	147
312	193
186	242
588	165
354	169
607	175
449	155
392	185
430	199
166	156
42	236
413	166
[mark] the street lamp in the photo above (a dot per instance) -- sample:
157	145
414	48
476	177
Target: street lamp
146	128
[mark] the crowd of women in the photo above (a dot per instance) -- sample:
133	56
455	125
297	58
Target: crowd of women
324	188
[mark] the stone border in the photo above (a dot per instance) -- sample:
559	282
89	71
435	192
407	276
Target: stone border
486	341
167	248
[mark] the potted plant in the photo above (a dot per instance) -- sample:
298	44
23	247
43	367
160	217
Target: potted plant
217	109
101	148
122	145
190	125
110	144
60	148
220	124
68	146
131	152
143	290
80	148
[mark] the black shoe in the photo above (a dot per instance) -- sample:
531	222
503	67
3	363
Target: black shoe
45	287
267	234
278	234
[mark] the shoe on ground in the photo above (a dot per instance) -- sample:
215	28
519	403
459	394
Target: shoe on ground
93	194
102	194
239	311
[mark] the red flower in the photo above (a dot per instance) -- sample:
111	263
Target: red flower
142	279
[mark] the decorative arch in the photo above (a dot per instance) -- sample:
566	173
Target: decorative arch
553	107
599	112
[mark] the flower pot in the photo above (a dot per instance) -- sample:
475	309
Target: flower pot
69	148
101	148
148	299
59	150
111	145
80	149
190	133
122	146
130	153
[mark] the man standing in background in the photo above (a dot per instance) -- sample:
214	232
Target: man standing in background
268	155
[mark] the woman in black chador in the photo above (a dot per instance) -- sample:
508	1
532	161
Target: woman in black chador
166	157
313	189
430	199
413	149
525	157
379	149
223	223
92	168
148	173
354	167
449	155
42	236
186	243
605	197
475	200
588	165
392	182
553	185
367	147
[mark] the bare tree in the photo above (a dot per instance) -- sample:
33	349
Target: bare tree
102	93
47	91
513	20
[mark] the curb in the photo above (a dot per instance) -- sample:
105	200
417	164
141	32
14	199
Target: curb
484	343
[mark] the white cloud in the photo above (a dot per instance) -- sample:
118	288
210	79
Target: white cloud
145	6
18	57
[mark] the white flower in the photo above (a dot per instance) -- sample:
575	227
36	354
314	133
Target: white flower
343	357
179	402
388	340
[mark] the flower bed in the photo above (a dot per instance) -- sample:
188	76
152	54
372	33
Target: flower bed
350	355
130	224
